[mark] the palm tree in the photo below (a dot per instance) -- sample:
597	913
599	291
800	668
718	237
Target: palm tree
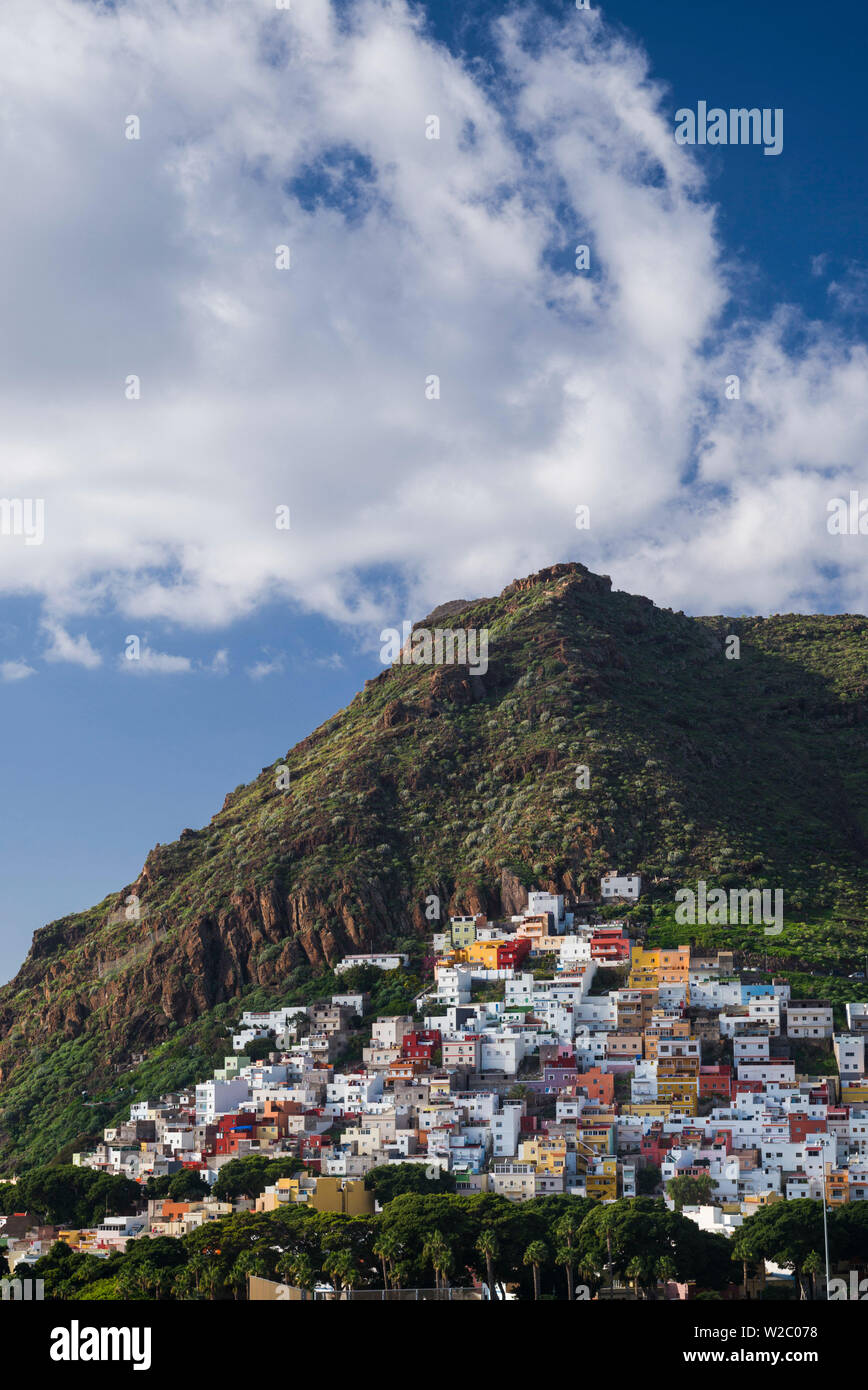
813	1266
588	1268
634	1273
609	1218
197	1267
164	1280
212	1279
488	1246
248	1263
297	1268
437	1252
342	1270
665	1269
747	1248
566	1231
183	1284
388	1248
536	1254
564	1257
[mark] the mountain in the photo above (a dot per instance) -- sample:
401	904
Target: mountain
748	769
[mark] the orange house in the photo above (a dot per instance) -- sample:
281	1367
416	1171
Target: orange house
600	1085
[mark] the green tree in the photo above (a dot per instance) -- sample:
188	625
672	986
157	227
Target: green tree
634	1272
249	1262
188	1185
343	1271
296	1267
665	1269
437	1252
387	1248
566	1231
536	1255
647	1180
488	1247
249	1177
184	1284
390	1180
787	1232
687	1191
813	1266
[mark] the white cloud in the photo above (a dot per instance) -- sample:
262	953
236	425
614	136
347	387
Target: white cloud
15	671
267	667
63	647
262	387
151	663
219	664
850	293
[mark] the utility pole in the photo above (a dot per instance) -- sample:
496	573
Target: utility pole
825	1228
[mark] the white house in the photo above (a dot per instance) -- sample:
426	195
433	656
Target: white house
850	1053
621	886
809	1020
215	1098
385	961
552	903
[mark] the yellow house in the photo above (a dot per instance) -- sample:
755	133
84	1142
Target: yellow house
601	1181
547	1155
663	1027
654	967
483	953
762	1199
651	1109
678	1094
70	1238
345	1195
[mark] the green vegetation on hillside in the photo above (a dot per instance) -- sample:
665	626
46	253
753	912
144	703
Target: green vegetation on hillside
438	784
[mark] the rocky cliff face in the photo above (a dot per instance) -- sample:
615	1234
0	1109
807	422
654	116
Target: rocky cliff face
438	781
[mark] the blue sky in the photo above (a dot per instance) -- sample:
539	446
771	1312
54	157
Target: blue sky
262	388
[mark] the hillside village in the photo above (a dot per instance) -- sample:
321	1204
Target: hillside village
546	1056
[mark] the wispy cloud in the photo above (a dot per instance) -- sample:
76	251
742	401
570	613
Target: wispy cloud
850	292
267	667
63	647
151	663
15	671
219	664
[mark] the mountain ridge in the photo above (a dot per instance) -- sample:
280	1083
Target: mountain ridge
434	780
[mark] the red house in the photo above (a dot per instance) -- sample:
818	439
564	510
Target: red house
803	1125
715	1081
511	953
609	943
234	1130
419	1046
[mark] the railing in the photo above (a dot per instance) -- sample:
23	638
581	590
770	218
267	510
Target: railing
401	1296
